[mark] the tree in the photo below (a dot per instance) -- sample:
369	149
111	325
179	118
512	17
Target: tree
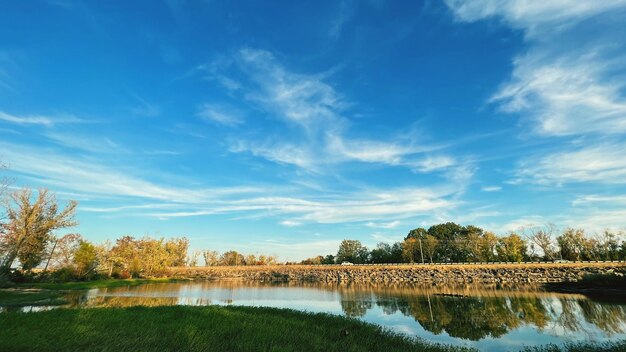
231	258
211	258
488	245
193	259
352	251
62	253
571	243
450	236
329	259
85	259
543	239
511	248
429	246
411	250
177	251
30	227
382	253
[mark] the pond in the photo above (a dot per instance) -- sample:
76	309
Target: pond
489	319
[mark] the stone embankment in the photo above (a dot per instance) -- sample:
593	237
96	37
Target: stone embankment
427	274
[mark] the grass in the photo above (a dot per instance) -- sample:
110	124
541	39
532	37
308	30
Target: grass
580	347
602	287
13	298
211	328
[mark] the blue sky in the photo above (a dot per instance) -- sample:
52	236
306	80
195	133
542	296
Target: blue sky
284	127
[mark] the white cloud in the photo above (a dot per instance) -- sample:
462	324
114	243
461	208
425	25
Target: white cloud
602	163
85	176
88	144
313	111
282	153
47	121
290	223
27	120
359	206
594	199
491	189
220	114
299	98
536	17
384	225
565	97
567	81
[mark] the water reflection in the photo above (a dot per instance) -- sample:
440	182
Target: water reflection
490	319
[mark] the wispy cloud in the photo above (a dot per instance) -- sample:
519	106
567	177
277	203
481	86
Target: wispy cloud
601	163
145	108
220	114
535	17
40	120
565	81
85	143
359	206
86	176
566	97
313	111
491	188
384	225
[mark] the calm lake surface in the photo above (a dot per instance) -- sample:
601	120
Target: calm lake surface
489	319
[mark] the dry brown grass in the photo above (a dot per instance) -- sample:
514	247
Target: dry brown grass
376	267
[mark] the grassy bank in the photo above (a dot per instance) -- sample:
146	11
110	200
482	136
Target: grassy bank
13	298
49	294
85	285
609	287
179	328
211	328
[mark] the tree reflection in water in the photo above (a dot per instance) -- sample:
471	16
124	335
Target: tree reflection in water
480	316
467	313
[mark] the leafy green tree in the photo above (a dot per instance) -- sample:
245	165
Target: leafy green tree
329	259
177	251
572	243
382	253
419	232
451	237
411	250
30	227
488	245
352	251
511	248
85	259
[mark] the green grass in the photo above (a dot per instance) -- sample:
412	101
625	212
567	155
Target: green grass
12	298
580	347
211	328
85	285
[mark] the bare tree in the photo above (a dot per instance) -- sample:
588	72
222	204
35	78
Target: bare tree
543	238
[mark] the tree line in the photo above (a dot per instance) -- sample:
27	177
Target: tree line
451	242
28	243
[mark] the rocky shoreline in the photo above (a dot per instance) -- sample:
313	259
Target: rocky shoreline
426	274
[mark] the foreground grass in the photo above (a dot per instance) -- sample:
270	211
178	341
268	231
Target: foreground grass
211	328
13	298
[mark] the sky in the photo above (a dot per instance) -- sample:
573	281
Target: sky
283	127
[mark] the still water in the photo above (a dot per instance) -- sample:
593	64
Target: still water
489	319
